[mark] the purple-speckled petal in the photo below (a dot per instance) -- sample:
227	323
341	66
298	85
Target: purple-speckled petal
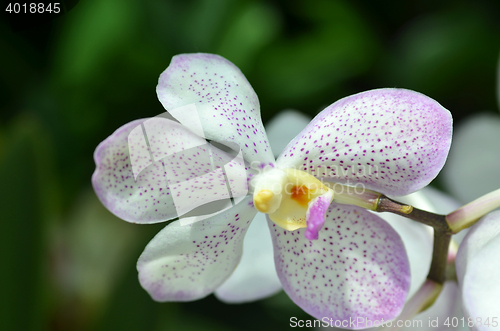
393	141
357	268
255	276
228	107
181	177
478	268
315	215
184	263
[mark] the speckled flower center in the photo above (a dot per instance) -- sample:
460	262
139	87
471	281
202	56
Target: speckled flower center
285	195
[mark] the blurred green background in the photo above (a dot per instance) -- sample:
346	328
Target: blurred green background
67	263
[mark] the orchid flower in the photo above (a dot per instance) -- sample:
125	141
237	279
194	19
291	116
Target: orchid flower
334	260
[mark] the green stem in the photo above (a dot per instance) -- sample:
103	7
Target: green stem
466	216
438	222
437	271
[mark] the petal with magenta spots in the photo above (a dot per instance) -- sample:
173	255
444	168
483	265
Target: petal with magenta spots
226	103
188	262
393	141
183	165
357	268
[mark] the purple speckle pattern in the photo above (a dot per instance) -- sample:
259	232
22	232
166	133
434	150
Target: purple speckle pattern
357	268
138	148
148	199
394	141
184	263
228	107
315	216
167	137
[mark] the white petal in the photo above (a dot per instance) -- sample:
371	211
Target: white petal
357	268
177	172
255	277
477	270
184	263
481	288
145	200
227	106
393	141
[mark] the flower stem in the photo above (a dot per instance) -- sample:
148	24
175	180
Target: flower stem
469	214
439	261
438	222
349	195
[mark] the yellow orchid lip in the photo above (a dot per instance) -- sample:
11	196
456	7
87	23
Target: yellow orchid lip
301	194
288	200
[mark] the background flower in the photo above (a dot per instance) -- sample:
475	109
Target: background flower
475	155
473	159
476	266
